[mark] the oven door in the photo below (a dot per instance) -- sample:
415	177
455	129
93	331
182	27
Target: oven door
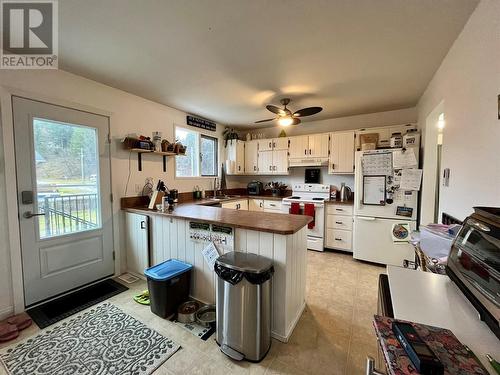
319	218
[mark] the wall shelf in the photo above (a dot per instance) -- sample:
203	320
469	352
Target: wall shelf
140	151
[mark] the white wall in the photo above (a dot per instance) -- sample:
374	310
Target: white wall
128	114
468	82
370	120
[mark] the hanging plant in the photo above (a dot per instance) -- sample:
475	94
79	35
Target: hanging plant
229	134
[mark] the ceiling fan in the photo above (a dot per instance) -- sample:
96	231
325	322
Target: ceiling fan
286	117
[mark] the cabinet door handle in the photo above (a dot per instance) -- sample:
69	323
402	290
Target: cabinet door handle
274	145
339	222
272	205
338	239
270	168
239	167
270	145
309	151
254	168
333	166
260	204
143	225
339	209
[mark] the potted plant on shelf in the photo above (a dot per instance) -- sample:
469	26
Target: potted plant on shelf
229	134
277	188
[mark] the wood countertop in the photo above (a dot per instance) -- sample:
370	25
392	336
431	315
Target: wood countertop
252	220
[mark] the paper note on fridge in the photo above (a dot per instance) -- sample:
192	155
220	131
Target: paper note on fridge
404	159
410	179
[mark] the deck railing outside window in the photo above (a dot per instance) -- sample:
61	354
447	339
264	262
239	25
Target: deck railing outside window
68	214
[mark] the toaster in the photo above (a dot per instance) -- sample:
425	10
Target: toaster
255	188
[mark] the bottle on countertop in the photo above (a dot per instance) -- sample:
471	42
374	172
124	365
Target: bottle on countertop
333	192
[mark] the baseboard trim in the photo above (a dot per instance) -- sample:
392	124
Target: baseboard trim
291	327
6	312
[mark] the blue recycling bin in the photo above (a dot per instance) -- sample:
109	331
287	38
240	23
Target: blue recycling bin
168	285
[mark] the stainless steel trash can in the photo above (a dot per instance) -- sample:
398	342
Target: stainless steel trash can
244	305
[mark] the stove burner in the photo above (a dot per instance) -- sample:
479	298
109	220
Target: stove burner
294	197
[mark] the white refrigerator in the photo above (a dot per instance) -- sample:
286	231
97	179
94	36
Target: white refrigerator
384	215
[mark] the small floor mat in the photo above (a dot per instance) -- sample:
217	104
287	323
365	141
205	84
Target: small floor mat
196	329
51	312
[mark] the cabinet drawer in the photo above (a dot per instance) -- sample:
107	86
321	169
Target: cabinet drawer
339	209
339	239
339	222
272	205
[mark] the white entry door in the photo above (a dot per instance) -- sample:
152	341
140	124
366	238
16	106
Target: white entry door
64	197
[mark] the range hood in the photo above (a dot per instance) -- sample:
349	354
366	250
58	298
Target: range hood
308	162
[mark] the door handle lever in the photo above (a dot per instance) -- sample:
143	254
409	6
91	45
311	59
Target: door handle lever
29	214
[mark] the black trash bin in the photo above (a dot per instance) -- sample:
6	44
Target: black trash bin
168	285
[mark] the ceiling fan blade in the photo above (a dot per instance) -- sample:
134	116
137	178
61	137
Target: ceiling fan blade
309	111
296	121
275	109
269	119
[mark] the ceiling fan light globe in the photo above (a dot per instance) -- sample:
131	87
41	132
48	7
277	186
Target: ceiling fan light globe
285	121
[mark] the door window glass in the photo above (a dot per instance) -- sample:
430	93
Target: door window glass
67	178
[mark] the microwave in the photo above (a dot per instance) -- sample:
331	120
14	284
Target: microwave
474	263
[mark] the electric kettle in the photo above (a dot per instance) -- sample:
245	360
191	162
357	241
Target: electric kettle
345	192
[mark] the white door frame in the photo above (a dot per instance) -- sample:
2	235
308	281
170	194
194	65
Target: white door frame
6	94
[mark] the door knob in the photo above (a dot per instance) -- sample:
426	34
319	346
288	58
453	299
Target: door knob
29	214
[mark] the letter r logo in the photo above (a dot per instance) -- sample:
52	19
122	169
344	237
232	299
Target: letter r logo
27	27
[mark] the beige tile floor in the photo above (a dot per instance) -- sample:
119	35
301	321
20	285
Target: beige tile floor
333	336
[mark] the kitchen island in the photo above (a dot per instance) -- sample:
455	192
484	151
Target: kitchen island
183	234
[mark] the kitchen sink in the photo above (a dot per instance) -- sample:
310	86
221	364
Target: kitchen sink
222	197
217	200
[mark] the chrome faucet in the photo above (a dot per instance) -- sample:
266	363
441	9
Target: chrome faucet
216	187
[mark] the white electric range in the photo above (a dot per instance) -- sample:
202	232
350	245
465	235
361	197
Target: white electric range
315	194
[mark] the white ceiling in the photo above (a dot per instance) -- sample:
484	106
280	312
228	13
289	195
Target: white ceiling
225	59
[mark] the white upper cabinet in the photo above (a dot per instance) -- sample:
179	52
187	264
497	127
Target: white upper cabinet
341	153
265	144
236	154
251	157
280	143
265	162
318	145
273	162
305	146
299	146
280	162
273	144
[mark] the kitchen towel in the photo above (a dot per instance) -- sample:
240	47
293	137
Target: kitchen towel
295	208
309	211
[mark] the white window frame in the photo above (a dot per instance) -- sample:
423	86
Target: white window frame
199	135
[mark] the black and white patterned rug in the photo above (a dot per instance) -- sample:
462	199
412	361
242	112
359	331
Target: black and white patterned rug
102	340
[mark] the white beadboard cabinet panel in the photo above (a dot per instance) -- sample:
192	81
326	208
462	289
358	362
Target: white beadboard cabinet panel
137	243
